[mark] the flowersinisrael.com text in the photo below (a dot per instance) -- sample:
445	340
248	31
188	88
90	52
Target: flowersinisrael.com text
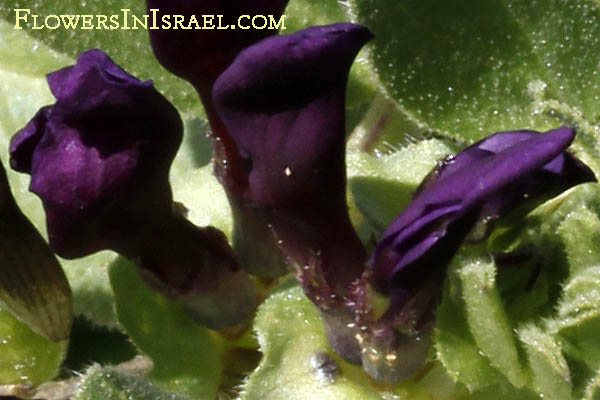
127	20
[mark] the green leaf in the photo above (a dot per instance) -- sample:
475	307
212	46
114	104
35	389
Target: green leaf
26	358
298	363
193	182
560	282
184	355
564	235
467	69
578	319
592	390
550	373
297	360
302	13
383	185
486	317
457	350
580	234
109	383
502	391
546	219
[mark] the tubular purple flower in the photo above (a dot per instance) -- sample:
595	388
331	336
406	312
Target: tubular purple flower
200	56
283	101
480	184
99	159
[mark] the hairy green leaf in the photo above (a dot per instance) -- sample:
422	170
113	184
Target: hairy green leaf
184	354
467	69
486	317
299	364
109	383
550	373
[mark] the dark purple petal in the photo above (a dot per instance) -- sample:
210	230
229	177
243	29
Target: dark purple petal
25	141
493	174
106	130
199	56
99	159
494	144
282	101
84	85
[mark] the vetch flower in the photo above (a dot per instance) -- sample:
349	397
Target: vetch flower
99	159
32	283
490	177
283	101
200	56
480	184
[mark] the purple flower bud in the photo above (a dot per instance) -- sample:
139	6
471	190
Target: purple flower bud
480	184
99	159
200	55
283	103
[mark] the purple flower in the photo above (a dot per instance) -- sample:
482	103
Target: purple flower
282	101
200	55
484	181
99	159
106	130
480	184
